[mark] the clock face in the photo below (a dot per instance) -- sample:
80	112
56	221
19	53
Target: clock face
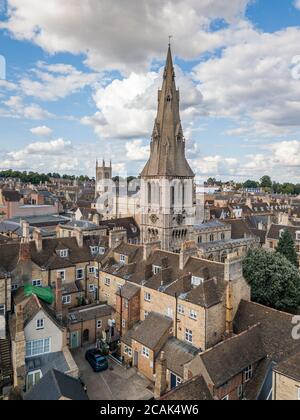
153	218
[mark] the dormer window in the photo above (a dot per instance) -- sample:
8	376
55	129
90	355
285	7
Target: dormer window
64	253
156	269
94	250
196	281
101	250
122	259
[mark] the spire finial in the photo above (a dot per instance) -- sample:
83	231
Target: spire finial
170	38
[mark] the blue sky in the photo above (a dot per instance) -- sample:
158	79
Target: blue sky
82	79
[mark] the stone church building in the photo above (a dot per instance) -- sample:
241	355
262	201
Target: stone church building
165	204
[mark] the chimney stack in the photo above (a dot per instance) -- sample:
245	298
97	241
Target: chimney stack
96	219
37	236
25	231
188	249
79	237
117	236
161	376
229	310
19	349
58	298
149	247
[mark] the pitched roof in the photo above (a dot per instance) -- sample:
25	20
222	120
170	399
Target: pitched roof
177	354
90	312
56	385
233	356
150	332
274	232
290	367
193	390
239	228
276	328
11	196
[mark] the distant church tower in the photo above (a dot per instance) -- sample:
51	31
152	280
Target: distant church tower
103	175
167	180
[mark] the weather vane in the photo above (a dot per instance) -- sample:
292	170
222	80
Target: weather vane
170	37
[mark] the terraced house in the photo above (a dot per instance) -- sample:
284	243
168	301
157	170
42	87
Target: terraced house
160	295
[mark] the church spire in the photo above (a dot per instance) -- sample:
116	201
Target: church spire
168	144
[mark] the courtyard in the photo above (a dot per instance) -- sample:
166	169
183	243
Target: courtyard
116	383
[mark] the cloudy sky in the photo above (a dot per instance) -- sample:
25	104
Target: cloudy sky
82	78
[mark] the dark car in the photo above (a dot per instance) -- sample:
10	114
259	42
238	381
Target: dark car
97	361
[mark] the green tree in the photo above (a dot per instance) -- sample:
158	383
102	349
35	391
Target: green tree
266	182
274	281
286	247
251	184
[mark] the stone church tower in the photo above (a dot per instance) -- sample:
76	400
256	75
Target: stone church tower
167	181
103	176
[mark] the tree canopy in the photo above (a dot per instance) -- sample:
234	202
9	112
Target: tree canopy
36	178
274	281
286	247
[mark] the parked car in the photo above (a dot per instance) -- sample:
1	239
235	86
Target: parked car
97	361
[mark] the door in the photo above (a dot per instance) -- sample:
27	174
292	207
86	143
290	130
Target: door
175	381
135	359
86	336
74	340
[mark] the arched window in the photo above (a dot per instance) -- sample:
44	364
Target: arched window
223	236
199	239
211	238
223	257
183	194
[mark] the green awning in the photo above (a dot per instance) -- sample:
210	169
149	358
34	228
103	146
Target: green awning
43	293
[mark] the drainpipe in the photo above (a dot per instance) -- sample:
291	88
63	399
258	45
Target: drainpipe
176	315
121	315
98	291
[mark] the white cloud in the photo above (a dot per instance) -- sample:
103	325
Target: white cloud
54	148
253	78
15	108
137	151
123	34
215	165
42	131
297	4
127	107
53	82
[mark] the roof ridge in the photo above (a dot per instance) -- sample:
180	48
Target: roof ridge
252	327
268	307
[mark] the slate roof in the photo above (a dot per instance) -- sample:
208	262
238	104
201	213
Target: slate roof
290	367
11	196
239	228
193	390
150	332
90	312
128	291
170	280
55	385
276	329
48	258
274	232
233	356
177	354
127	223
